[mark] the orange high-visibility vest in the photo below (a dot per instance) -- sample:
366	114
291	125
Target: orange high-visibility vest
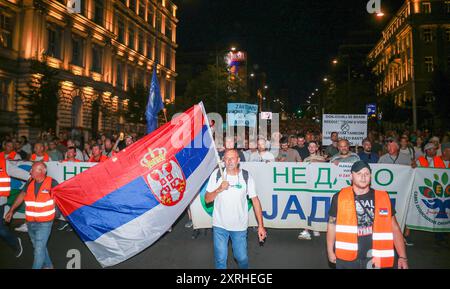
40	208
11	156
5	180
75	161
102	159
437	162
347	229
45	159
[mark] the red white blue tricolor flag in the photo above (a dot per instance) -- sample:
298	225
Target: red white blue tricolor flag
122	206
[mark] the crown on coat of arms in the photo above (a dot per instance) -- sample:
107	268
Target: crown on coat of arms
154	157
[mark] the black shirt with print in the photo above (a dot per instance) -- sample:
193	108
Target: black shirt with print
365	220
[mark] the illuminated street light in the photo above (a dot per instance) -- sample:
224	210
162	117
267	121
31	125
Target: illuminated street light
252	75
335	61
381	14
266	86
233	48
325	79
317	89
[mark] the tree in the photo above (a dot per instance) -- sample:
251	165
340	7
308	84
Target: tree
203	88
138	97
42	97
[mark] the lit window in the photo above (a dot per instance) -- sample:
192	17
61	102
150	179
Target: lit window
6	31
77	51
54	42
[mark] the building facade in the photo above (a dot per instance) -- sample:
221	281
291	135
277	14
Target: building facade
100	54
414	44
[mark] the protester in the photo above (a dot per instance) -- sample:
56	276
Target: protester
39	153
286	153
262	155
362	228
87	152
314	155
97	156
430	160
70	155
435	141
39	212
446	154
344	155
367	155
8	152
418	148
293	141
7	170
302	147
230	216
393	155
332	149
407	148
231	144
53	153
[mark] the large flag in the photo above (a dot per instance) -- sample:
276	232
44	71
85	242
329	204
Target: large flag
154	104
122	206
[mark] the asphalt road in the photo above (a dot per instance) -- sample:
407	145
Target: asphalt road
177	250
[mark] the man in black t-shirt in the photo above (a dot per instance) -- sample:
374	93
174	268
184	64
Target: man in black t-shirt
364	200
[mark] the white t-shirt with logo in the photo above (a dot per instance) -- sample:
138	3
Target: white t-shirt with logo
231	206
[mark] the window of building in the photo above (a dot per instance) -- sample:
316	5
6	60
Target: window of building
426	7
132	5
427	34
97	55
447	34
131	37
168	28
150	42
168	58
429	64
54	42
120	31
130	78
5	97
77	51
168	90
6	31
150	14
141	43
158	21
447	6
119	75
142	9
98	12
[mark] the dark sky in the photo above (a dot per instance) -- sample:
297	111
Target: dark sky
293	41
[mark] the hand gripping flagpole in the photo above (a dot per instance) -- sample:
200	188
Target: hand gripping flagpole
219	162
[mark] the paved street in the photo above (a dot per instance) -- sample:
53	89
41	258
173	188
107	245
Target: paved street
176	250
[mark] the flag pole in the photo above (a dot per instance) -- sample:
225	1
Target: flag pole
213	142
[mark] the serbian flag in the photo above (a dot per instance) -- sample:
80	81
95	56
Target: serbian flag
123	205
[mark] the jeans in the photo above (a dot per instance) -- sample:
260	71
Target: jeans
39	234
238	242
5	234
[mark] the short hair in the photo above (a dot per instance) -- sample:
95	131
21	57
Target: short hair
366	140
96	145
314	142
284	140
72	148
345	140
334	132
300	136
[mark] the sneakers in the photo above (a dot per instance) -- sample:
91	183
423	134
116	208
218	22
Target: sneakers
19	250
63	226
316	233
304	235
408	241
23	228
188	224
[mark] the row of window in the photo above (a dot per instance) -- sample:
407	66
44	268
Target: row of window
6	31
428	35
426	7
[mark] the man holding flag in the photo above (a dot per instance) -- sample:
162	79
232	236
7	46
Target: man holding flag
123	205
229	193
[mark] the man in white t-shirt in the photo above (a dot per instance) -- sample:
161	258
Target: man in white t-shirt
230	216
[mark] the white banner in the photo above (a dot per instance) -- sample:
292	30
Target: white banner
352	127
429	208
298	195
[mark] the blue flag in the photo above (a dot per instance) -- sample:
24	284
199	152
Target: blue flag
154	104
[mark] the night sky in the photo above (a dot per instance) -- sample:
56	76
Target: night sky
293	41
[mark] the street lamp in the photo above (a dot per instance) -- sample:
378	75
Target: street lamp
252	75
335	61
325	79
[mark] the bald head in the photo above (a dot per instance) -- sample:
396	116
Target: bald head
38	171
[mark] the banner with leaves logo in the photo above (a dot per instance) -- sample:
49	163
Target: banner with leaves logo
429	207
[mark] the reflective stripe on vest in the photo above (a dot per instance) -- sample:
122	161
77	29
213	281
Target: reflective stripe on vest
40	208
347	229
11	156
45	157
5	180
